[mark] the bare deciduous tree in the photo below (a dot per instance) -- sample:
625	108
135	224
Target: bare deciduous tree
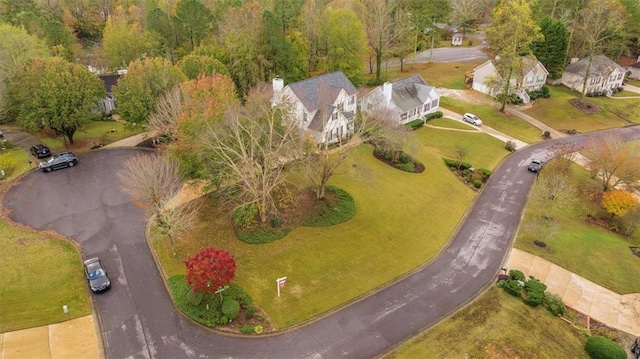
168	109
151	179
251	148
174	221
542	229
553	191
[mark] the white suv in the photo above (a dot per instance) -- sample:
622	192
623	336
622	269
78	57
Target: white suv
471	118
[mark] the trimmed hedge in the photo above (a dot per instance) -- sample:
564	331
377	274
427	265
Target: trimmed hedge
603	348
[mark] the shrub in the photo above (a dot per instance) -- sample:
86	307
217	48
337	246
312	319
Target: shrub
340	212
554	304
512	287
407	167
477	183
405	158
450	163
546	135
430	116
415	124
231	308
603	348
516	274
7	145
510	146
485	173
250	312
534	285
276	222
247	329
194	298
534	298
259	329
245	215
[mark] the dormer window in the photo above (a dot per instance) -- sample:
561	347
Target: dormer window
305	118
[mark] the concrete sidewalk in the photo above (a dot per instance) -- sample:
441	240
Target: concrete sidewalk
74	338
617	311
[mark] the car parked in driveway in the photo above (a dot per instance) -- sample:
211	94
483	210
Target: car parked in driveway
535	165
472	119
40	150
96	275
61	160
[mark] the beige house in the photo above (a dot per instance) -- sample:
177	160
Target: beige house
532	78
603	75
408	99
325	105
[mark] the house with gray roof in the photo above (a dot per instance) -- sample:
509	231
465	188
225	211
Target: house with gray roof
408	99
602	73
532	77
325	105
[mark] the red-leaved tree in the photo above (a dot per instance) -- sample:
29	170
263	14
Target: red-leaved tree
210	269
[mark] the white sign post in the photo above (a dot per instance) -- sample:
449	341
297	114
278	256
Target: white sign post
280	283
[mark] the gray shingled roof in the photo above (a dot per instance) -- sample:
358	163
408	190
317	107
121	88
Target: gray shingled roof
636	65
321	89
410	92
528	63
600	64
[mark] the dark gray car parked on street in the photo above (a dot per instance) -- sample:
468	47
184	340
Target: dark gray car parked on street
61	160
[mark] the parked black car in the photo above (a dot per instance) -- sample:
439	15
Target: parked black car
96	275
61	160
40	150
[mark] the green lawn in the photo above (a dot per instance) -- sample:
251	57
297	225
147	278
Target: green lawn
446	74
508	124
558	113
22	159
496	325
590	251
39	274
449	123
95	132
399	225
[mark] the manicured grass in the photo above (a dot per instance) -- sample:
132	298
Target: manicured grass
588	250
445	74
449	123
557	112
496	325
503	122
22	159
96	132
39	274
399	225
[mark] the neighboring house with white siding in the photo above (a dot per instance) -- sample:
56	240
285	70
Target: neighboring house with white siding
325	105
532	77
408	99
603	75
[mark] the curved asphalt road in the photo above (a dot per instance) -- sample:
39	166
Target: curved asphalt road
87	203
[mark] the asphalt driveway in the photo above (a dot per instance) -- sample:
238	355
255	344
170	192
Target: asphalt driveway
87	203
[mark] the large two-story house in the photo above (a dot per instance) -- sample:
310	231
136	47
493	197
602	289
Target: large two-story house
603	75
531	78
408	99
325	105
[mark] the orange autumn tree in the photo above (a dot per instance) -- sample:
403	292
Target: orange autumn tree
205	101
618	202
